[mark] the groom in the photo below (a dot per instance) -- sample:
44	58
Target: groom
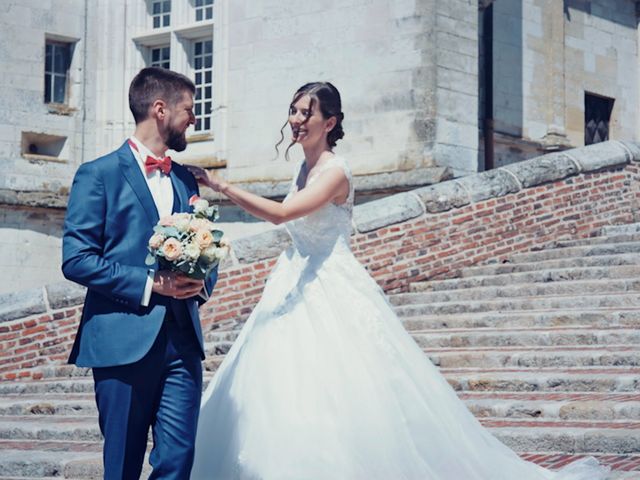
140	329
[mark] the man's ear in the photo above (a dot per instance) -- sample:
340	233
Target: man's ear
159	109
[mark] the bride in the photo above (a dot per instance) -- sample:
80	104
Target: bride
323	382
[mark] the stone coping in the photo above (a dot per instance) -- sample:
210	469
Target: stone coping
378	213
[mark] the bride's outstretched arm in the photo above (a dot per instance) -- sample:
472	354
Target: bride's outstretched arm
331	185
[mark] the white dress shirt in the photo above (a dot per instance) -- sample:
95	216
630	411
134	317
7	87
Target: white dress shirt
162	192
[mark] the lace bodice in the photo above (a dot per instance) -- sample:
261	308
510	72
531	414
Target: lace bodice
328	228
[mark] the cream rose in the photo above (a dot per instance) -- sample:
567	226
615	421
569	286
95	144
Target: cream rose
172	249
203	238
200	224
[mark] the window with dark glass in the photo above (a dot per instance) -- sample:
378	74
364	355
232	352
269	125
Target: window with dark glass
203	69
204	10
160	57
161	13
56	71
597	115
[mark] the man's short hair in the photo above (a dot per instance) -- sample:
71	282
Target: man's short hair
153	83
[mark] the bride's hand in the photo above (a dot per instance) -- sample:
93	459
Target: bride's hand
208	178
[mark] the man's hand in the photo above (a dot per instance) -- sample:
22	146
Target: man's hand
176	285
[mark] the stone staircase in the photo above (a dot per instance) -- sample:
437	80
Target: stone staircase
544	349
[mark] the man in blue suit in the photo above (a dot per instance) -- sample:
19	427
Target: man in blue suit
140	330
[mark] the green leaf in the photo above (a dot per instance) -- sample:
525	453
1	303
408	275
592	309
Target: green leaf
150	260
185	267
217	235
171	232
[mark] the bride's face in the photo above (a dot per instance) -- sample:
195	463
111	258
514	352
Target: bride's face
308	126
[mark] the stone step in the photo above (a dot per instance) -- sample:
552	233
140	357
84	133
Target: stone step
42	460
50	427
53	459
623	467
60	460
64	370
625	229
491	337
578	251
608	378
49	385
563	437
534	318
540	357
49	404
527	337
520	434
565	406
541	276
570	287
555	410
599	240
596	261
597	379
413	305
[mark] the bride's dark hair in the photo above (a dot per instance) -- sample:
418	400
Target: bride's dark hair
328	98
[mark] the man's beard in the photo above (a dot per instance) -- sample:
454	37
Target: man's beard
176	140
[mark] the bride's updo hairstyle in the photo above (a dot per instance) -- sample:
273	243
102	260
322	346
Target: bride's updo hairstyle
328	99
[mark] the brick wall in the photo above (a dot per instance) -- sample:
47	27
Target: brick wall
401	239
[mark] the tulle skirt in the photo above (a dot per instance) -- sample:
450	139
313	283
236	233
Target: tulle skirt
323	382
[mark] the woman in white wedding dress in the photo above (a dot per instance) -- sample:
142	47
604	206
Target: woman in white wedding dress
323	382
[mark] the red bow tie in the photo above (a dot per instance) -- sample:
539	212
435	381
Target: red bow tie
150	164
163	164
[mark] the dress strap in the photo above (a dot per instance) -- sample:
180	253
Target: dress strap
338	161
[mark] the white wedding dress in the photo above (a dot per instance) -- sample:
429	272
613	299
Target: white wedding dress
324	383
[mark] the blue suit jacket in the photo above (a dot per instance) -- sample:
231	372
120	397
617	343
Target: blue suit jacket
110	217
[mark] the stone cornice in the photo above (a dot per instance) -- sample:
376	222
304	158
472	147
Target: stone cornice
379	213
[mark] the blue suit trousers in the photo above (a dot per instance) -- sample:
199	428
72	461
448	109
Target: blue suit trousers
161	391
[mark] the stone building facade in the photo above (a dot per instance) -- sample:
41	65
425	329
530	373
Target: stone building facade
413	75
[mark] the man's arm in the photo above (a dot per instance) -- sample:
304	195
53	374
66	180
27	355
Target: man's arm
83	244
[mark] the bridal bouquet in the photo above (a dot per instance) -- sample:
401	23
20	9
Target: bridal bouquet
188	242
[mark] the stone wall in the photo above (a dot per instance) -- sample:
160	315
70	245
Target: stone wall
30	247
407	72
25	26
547	55
601	57
428	233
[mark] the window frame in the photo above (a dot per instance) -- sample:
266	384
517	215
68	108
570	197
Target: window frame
162	16
162	62
203	10
49	92
597	108
204	81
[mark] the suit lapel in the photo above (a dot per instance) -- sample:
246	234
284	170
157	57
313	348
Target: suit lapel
133	175
180	200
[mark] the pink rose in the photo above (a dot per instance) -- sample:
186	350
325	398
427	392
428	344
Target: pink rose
167	221
172	249
156	240
193	199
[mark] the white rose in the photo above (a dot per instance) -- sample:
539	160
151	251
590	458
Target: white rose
192	251
200	206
